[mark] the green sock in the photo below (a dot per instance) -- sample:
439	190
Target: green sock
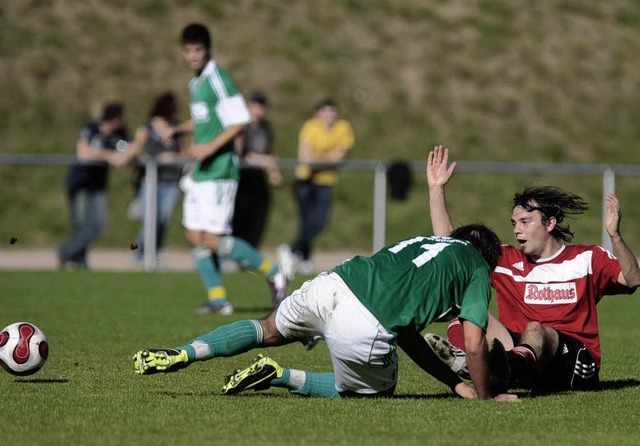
207	268
283	381
242	252
227	340
322	385
303	383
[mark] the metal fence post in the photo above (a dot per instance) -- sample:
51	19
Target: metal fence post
609	173
150	213
608	187
379	206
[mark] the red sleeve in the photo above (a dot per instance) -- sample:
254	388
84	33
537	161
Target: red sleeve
606	271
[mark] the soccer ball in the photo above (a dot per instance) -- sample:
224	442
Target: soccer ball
23	348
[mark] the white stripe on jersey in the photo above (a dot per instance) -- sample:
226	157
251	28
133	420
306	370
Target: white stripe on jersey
217	84
197	80
569	270
231	110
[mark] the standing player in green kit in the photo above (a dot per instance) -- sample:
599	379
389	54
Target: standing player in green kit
364	309
219	113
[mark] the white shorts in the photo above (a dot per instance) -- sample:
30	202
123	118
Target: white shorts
208	206
363	352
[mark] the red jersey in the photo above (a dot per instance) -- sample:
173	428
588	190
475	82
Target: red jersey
560	292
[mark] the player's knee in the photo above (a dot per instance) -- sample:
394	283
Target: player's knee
191	237
211	241
534	327
537	333
208	240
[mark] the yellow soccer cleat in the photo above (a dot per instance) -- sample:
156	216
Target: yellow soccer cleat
154	360
257	376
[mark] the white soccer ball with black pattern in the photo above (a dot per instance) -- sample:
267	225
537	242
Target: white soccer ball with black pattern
23	348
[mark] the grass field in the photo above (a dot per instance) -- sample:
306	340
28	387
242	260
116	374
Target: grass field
87	392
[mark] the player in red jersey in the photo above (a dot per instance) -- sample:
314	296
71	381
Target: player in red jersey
546	290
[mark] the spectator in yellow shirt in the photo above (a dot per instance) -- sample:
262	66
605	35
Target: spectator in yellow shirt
323	144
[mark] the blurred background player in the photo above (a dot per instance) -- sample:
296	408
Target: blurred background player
101	143
218	115
156	138
546	289
255	148
323	144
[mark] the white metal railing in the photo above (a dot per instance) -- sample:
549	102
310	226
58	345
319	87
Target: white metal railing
379	168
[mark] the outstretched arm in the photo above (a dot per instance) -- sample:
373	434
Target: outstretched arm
438	175
477	361
630	274
475	345
419	351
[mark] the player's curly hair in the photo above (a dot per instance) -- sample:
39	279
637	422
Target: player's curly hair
554	202
483	239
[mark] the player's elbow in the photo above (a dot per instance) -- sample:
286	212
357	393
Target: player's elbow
634	287
475	351
474	348
634	281
631	280
474	339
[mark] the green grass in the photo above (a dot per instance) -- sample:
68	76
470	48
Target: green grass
88	394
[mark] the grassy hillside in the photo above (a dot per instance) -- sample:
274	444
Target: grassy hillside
547	81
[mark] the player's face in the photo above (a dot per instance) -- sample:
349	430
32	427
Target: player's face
532	235
196	56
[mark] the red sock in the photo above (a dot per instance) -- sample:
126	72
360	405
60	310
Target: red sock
523	360
455	333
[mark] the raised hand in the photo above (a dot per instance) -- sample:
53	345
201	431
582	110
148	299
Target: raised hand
438	174
614	215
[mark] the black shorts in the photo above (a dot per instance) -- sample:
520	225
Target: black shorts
572	367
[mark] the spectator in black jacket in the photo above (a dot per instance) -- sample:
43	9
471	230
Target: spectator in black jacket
101	144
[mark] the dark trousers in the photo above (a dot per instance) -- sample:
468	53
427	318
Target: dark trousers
253	201
88	215
314	205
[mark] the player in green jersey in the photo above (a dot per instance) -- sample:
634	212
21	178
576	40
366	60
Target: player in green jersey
219	113
364	309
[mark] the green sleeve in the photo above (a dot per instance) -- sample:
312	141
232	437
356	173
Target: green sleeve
476	298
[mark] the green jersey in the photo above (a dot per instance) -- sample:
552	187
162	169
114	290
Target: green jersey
216	103
421	280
